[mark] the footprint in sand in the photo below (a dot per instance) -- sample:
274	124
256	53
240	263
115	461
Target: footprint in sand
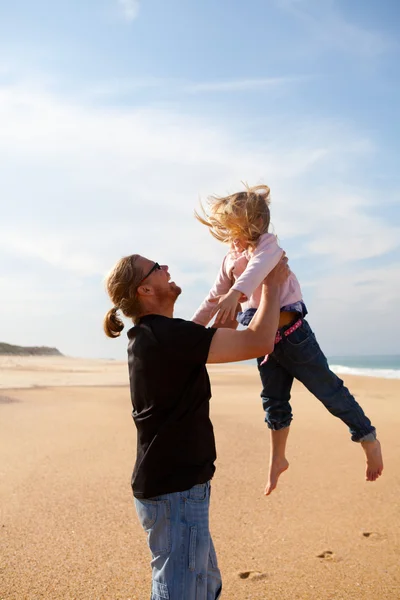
327	555
7	400
254	575
373	535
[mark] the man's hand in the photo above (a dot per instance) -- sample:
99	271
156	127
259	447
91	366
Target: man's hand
280	273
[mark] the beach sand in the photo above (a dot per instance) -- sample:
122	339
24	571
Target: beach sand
68	526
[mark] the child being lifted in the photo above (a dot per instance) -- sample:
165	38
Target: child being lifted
242	221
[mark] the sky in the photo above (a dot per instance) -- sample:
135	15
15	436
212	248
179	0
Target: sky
118	116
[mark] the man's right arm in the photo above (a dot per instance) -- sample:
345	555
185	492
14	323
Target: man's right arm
258	339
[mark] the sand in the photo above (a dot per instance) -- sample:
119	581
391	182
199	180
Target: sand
67	523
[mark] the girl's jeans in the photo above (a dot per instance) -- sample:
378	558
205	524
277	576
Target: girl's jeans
299	356
184	563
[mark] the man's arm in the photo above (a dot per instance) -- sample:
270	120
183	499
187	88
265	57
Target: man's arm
266	256
228	345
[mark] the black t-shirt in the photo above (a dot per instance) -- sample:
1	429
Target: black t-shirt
170	391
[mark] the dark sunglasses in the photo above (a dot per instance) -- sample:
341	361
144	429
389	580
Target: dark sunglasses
155	267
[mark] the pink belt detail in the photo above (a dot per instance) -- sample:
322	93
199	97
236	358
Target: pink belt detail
287	332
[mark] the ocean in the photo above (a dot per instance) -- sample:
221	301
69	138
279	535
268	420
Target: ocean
385	366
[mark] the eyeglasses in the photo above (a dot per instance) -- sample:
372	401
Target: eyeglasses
155	267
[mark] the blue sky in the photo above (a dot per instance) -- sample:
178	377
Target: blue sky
117	116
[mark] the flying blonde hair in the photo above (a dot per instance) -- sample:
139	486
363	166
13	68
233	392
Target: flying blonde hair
244	215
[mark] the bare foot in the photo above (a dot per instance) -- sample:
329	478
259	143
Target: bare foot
276	468
374	460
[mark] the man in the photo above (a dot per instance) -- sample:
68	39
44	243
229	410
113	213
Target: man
170	392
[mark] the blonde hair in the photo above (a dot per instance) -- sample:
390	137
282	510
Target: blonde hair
244	215
121	285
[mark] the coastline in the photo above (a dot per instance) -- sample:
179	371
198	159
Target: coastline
25	372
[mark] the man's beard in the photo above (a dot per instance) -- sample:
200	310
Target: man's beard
177	290
170	294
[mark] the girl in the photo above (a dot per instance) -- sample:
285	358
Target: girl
242	220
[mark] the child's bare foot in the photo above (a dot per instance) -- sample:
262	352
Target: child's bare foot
276	468
374	460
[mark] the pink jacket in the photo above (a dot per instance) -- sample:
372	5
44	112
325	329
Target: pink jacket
245	272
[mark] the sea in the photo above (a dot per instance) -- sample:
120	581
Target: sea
384	366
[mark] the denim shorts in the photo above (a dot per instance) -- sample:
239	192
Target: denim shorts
184	563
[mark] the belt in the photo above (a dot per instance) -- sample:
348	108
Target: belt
288	331
279	336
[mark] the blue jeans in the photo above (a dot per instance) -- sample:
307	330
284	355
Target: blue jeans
184	563
299	356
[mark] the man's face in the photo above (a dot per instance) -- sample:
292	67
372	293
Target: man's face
159	280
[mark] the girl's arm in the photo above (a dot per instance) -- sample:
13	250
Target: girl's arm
259	337
222	285
265	257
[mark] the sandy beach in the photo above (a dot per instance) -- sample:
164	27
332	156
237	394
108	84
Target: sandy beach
68	525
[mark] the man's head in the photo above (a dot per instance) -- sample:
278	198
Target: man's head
138	286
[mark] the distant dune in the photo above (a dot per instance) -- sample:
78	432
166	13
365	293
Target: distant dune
7	349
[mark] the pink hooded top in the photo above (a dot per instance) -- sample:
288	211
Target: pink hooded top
245	272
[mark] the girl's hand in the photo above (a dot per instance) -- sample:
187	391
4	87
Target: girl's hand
226	307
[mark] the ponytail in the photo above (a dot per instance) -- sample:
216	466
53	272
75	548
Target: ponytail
112	324
121	284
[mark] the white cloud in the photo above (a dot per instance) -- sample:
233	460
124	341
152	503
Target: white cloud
357	237
330	27
130	8
369	288
128	87
351	308
84	185
60	250
342	227
242	85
